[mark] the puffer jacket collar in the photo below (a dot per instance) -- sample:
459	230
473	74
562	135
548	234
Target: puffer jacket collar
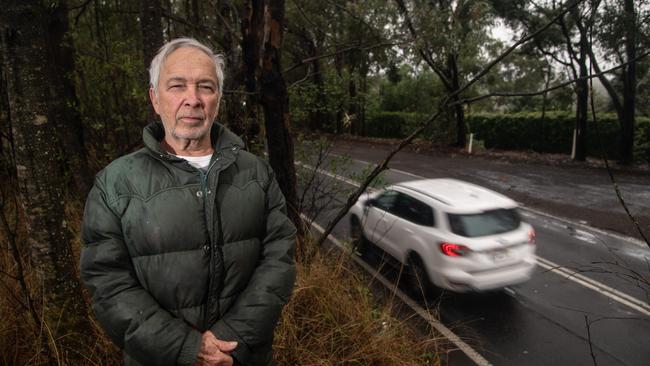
222	140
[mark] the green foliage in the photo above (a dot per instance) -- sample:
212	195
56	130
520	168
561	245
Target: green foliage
642	141
111	80
554	133
392	124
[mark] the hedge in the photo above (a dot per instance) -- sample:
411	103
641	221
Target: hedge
554	133
523	131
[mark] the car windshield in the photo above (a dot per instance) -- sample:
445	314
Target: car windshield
484	223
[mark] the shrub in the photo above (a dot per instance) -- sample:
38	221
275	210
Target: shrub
392	124
332	319
554	133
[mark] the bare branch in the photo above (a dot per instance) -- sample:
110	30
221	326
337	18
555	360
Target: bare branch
344	50
591	348
504	54
554	87
635	222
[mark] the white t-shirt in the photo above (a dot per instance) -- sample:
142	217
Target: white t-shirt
199	162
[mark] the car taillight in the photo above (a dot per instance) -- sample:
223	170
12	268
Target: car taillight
454	250
531	236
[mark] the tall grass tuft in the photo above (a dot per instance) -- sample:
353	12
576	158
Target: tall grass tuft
333	319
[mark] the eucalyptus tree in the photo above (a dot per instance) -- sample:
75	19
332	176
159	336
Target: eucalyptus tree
35	104
335	45
449	37
623	34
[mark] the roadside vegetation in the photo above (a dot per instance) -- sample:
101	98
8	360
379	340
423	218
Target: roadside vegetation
331	319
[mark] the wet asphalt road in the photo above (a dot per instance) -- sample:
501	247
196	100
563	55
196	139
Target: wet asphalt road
549	320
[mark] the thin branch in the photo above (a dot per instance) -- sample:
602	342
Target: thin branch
344	50
426	56
9	275
308	19
503	55
16	299
554	87
635	222
83	8
354	16
591	348
302	80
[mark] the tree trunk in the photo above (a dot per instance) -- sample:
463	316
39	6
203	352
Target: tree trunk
461	125
629	85
353	104
61	62
340	115
582	101
252	27
625	109
317	119
152	40
275	102
232	111
39	166
151	26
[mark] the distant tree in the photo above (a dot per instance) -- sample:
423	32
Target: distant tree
66	117
449	36
566	44
33	105
151	29
622	30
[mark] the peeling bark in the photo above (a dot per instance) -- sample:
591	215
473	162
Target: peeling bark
39	166
275	101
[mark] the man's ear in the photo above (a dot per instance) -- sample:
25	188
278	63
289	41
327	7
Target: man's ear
154	99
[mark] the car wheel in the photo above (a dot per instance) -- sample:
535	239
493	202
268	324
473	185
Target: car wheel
419	283
356	236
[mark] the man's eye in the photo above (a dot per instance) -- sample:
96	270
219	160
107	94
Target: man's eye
175	86
206	87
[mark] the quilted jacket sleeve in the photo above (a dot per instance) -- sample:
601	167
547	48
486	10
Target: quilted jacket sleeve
131	317
254	315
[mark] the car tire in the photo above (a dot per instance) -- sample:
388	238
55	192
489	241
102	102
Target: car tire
356	236
418	279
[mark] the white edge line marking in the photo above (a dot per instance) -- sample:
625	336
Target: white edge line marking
605	290
613	294
441	328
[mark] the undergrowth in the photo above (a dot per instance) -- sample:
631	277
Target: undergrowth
331	319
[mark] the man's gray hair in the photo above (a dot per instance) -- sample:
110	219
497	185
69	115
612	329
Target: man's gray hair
173	45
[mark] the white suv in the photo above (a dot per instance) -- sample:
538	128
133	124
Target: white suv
453	234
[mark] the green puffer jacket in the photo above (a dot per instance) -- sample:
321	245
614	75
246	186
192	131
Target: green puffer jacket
170	251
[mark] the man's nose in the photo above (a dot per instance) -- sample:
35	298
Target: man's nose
192	97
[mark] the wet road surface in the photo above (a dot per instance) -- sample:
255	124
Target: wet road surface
550	319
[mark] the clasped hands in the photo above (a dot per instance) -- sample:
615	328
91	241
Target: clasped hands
214	352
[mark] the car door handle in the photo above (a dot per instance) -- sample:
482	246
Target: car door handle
408	230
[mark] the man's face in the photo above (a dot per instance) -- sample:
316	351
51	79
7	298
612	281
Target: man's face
188	96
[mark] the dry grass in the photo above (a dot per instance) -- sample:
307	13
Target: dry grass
332	319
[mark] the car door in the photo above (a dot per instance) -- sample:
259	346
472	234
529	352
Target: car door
378	221
412	219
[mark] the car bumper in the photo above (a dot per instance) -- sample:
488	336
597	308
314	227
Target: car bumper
492	279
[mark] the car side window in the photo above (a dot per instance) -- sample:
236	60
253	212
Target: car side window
386	201
413	210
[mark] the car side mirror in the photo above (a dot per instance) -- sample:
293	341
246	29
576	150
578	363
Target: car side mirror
371	202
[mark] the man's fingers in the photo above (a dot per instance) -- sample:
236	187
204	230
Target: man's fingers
225	346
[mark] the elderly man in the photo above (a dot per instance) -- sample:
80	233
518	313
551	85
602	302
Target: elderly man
187	249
